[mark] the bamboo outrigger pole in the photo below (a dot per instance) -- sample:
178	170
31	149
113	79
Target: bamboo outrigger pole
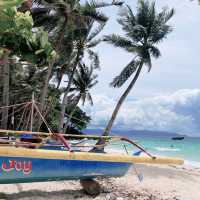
79	136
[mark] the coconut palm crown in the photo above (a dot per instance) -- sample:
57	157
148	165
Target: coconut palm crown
83	81
143	31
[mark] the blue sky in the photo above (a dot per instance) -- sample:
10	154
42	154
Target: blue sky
173	83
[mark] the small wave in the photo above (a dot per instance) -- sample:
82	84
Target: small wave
112	150
166	149
192	163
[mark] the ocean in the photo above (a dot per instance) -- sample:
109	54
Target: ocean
188	149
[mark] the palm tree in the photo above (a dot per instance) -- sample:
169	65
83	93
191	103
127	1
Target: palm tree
143	31
84	41
84	80
67	24
85	44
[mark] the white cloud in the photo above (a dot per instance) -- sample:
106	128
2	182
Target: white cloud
176	112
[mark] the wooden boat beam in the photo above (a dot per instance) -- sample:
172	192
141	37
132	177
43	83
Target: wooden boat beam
76	136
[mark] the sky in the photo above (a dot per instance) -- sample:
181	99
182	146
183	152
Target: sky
167	98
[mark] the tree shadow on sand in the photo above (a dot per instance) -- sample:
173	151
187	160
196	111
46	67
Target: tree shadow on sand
38	194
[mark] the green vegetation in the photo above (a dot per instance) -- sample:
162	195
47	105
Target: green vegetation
44	43
18	36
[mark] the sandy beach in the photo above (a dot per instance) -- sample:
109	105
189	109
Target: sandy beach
160	183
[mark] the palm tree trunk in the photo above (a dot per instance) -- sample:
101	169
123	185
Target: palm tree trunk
46	85
120	102
63	105
44	93
117	108
59	82
71	114
5	99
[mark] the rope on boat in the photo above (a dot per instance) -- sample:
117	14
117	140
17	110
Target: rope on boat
105	137
57	135
24	111
12	113
14	105
26	104
49	129
62	137
67	115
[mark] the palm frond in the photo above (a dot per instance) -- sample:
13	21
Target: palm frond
93	56
104	4
94	33
138	33
143	13
147	61
125	74
94	82
151	17
168	15
89	98
127	19
160	29
120	41
83	81
90	11
83	98
160	33
154	51
94	43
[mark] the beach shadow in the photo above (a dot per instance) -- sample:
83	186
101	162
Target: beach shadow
38	194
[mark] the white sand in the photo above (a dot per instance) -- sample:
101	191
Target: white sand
160	183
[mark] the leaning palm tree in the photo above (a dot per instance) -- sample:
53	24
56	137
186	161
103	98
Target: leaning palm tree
84	80
143	31
84	41
66	23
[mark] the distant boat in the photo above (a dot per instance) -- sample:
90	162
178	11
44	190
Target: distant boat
178	138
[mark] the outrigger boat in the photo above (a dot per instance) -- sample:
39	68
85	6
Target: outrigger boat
27	156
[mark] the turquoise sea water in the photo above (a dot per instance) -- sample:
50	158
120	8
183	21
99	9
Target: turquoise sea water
188	149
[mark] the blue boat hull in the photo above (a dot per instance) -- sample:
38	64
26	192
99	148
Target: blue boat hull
22	170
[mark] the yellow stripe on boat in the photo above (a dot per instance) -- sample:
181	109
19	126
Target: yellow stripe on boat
87	156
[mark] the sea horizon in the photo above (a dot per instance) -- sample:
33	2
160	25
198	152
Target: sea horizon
160	143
